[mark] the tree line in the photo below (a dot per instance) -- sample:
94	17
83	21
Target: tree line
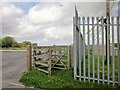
7	42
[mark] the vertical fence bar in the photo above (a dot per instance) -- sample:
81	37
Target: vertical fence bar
49	61
103	76
118	37
77	45
88	50
74	48
76	51
98	49
113	67
29	64
108	51
80	56
84	61
93	48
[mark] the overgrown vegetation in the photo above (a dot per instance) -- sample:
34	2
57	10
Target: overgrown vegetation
58	79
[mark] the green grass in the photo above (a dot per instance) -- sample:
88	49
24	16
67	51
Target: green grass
58	79
64	78
23	48
101	67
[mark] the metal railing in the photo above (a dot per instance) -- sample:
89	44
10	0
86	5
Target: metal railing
90	49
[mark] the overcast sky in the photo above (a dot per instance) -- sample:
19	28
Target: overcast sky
46	23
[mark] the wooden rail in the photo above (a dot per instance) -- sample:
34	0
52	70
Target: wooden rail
45	58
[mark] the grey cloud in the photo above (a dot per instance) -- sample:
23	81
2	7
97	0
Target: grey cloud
10	19
24	29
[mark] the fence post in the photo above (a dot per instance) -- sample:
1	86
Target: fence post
118	37
75	39
68	55
49	61
28	61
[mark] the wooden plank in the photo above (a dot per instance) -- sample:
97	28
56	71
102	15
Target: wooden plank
45	56
42	70
61	65
37	49
42	51
64	60
42	64
43	47
57	61
58	68
61	45
58	54
50	46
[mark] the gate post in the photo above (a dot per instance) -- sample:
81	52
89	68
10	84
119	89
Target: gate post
68	57
49	61
118	36
28	61
75	42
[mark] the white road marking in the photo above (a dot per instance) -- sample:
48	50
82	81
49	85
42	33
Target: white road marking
15	84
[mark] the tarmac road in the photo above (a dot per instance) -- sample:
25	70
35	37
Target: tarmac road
13	64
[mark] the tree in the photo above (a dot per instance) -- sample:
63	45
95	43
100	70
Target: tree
26	43
34	44
7	41
20	45
15	44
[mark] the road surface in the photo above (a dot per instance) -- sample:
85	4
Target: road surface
13	64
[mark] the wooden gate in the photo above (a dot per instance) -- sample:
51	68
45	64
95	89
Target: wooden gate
45	58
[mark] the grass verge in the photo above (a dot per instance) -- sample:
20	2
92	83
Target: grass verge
23	48
58	79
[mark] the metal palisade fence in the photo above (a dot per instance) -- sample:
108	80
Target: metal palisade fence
90	47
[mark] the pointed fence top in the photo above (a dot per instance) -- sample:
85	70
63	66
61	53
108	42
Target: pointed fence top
76	12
